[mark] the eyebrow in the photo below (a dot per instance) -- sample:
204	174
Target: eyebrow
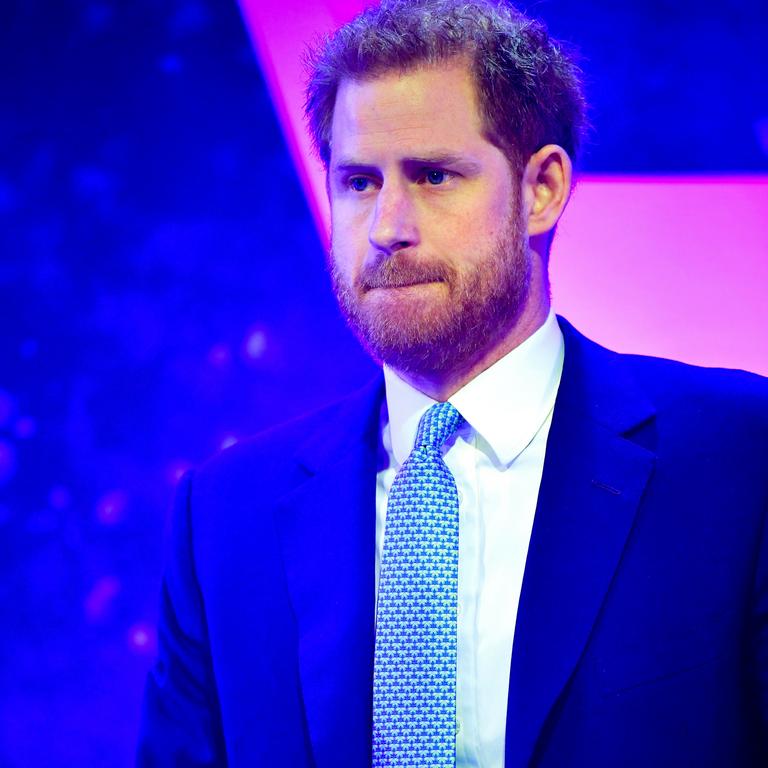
437	158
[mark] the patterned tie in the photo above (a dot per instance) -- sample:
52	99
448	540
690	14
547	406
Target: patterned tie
414	680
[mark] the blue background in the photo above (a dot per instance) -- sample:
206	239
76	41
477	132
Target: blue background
163	293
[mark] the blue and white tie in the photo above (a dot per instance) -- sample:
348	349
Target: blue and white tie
414	681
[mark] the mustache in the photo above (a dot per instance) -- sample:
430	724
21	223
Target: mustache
398	272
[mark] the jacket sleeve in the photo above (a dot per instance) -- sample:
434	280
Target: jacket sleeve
180	723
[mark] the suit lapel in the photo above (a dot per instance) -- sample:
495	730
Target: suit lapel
327	531
592	483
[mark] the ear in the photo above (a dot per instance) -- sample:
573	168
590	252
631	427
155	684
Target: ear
546	187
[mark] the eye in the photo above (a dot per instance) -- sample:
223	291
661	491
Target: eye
436	176
358	183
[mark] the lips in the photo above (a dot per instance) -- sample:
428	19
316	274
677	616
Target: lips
400	272
401	284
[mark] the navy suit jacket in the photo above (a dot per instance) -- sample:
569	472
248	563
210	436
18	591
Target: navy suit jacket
642	631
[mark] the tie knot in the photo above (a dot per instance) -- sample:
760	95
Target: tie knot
437	425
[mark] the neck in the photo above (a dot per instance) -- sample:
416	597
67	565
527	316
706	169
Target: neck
441	385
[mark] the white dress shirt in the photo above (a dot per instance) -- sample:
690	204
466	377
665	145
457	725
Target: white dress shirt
497	459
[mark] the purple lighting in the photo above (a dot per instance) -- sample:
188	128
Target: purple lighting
101	597
111	508
141	638
176	471
219	355
255	344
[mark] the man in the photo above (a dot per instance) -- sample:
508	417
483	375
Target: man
521	549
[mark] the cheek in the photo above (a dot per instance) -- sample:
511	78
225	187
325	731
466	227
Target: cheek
501	200
482	215
346	252
350	228
465	234
494	222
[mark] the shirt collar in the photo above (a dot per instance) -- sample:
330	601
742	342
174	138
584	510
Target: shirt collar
505	405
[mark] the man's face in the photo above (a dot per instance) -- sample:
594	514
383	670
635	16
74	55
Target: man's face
429	257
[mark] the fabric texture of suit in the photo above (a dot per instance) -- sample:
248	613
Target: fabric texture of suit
642	630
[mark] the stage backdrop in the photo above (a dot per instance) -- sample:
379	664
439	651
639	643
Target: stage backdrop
163	292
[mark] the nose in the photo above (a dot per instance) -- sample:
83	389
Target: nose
394	219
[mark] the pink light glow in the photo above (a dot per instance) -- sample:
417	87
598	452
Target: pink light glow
101	597
177	470
672	267
141	638
255	344
219	355
111	507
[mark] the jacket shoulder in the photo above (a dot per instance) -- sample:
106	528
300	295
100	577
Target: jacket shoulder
694	388
270	463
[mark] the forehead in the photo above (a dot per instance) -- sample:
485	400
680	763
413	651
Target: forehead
406	111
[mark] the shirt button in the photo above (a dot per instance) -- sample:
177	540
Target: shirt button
461	496
458	726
